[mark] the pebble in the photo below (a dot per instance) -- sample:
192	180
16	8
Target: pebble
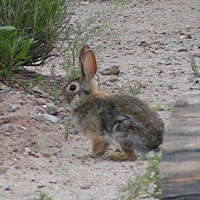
13	108
51	108
3	86
114	70
84	3
27	150
44	154
187	36
182	50
51	118
113	79
22	127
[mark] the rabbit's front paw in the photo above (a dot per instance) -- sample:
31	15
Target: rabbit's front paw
87	155
118	156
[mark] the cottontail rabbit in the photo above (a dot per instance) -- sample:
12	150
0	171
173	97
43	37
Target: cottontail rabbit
118	119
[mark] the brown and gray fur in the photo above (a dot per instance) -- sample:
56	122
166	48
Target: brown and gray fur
118	119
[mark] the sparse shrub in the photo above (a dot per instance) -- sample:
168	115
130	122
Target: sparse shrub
3	170
195	67
68	127
135	90
38	26
78	35
148	184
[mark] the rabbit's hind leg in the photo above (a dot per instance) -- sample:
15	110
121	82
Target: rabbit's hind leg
125	153
99	147
120	156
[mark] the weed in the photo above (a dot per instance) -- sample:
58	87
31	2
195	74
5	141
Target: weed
170	86
67	126
72	72
195	67
160	107
82	31
27	84
136	89
78	35
146	185
43	196
56	93
3	170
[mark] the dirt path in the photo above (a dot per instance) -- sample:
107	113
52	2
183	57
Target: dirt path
145	43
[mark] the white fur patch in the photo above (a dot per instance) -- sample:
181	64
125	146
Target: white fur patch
113	141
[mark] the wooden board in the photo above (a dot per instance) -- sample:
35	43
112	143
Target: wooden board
180	165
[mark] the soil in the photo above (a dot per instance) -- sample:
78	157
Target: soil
144	42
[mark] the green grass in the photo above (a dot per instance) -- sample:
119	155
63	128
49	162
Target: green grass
160	107
195	67
3	170
146	185
135	90
67	128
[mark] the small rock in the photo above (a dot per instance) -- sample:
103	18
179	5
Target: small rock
51	118
13	108
86	187
51	108
17	167
117	40
10	128
46	155
41	102
27	150
143	43
3	86
22	102
187	36
7	189
84	3
114	70
113	79
40	186
182	50
22	127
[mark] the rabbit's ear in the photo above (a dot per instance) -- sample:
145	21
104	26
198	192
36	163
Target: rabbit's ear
87	62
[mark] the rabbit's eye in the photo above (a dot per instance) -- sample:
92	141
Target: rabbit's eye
72	87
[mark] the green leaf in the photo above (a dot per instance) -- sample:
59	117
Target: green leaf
24	51
7	28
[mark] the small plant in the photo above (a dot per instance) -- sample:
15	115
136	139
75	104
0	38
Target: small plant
160	107
136	89
27	84
78	35
72	72
3	170
146	185
67	126
195	67
56	93
43	196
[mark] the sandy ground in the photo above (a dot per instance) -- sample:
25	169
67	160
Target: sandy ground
144	42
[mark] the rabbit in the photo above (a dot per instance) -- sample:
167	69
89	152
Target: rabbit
118	119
